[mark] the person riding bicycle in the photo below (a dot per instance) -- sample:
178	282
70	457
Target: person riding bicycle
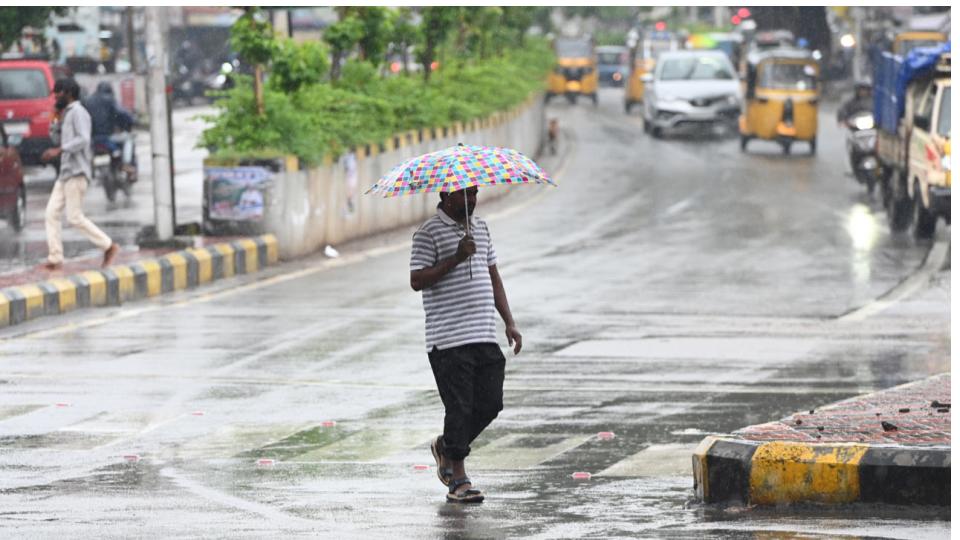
107	117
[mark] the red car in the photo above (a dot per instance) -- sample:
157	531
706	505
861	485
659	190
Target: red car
26	104
13	194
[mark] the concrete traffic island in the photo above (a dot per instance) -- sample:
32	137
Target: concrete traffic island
891	446
139	277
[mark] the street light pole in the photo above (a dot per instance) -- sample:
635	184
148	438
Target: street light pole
858	45
159	127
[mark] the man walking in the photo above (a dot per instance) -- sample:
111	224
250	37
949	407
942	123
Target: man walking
76	161
461	287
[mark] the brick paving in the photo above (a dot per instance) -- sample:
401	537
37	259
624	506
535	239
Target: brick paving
916	414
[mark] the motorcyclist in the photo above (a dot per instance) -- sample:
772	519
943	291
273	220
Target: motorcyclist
861	102
107	117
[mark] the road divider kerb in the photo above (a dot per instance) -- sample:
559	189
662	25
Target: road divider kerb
142	279
738	471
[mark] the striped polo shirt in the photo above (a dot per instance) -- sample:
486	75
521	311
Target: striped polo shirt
459	310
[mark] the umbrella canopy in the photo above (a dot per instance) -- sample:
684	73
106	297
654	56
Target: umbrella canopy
460	167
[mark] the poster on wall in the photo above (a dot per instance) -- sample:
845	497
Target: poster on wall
236	193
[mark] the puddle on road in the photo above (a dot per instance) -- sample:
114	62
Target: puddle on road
759	349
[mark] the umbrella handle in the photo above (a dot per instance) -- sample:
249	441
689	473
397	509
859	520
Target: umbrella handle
466	211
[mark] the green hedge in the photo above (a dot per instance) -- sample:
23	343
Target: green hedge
363	108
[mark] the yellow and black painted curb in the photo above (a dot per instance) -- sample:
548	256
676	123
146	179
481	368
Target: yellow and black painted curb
727	470
143	279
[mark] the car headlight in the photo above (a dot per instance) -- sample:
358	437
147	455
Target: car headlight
732	100
945	162
863	122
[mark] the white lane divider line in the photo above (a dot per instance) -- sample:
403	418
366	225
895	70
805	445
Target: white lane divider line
931	265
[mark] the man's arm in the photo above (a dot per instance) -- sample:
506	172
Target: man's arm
425	277
503	307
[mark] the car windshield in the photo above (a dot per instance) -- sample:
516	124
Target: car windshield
695	69
573	49
23	84
609	58
943	122
788	76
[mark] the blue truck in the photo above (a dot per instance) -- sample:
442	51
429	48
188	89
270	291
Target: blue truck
912	113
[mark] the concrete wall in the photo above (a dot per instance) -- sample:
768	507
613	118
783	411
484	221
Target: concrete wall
307	209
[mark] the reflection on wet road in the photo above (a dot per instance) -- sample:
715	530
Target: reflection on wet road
667	290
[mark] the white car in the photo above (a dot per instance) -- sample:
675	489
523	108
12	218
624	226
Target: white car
689	89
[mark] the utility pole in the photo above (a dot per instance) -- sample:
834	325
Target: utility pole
857	13
131	39
159	126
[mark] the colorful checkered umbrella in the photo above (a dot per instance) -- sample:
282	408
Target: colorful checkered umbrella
460	167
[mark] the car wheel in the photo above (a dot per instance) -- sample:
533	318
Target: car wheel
18	220
924	222
657	132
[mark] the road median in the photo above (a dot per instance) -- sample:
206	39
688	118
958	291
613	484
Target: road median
891	446
137	279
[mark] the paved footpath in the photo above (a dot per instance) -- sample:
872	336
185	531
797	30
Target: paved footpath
891	446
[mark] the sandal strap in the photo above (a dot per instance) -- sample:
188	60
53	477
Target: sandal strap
454	484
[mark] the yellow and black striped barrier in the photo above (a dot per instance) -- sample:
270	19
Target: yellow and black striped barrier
143	279
782	472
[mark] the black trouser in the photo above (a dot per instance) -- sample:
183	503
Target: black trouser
470	381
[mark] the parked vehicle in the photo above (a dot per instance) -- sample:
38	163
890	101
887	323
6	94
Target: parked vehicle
13	193
912	107
612	65
861	141
575	74
782	90
26	104
690	89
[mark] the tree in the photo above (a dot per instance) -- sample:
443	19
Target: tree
437	22
404	34
480	25
252	38
14	19
376	33
298	64
342	36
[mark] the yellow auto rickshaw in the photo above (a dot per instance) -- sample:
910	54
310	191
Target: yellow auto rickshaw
780	101
646	54
575	74
635	85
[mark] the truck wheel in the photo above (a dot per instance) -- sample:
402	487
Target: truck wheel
626	106
925	223
813	146
596	101
743	143
900	209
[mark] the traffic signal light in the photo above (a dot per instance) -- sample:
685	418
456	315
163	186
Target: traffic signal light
736	20
660	26
743	13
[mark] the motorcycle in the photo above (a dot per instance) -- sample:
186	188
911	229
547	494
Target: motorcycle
861	139
112	167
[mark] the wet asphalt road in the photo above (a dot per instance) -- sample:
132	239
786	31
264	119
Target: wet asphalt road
667	290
